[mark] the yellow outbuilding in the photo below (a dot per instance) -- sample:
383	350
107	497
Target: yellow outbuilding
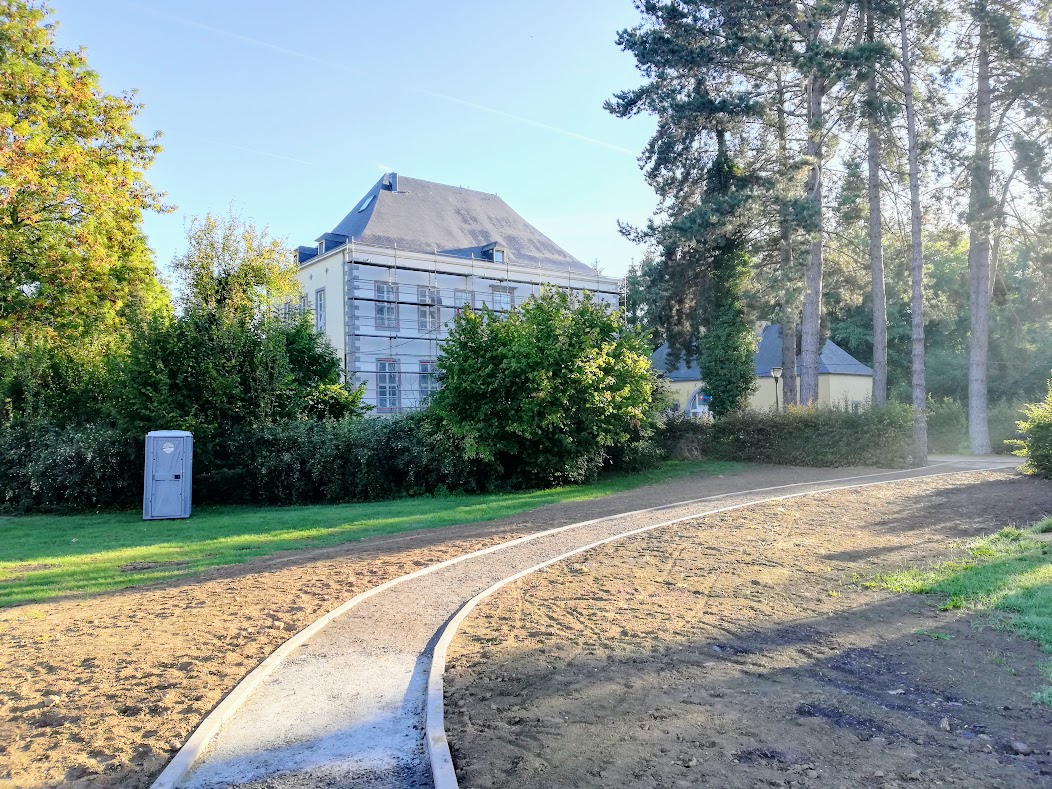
842	379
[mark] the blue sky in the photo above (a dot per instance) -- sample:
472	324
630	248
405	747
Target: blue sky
290	111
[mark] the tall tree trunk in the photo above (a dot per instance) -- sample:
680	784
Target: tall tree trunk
810	343
785	244
876	252
920	395
788	361
979	255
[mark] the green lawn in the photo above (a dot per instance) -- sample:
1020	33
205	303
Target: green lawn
47	556
1009	572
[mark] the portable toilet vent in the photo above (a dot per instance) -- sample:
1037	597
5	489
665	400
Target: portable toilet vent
169	458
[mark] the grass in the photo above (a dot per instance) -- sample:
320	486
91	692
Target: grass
1008	572
49	556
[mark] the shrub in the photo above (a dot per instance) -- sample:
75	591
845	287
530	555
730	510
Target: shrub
546	392
1004	417
1036	428
293	462
797	437
947	426
87	467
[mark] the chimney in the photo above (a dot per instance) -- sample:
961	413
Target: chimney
391	181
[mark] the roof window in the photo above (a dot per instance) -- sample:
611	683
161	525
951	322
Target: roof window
366	203
495	252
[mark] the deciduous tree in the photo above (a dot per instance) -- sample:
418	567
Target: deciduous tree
74	264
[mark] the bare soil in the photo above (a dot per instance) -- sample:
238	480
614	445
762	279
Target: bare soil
102	691
739	651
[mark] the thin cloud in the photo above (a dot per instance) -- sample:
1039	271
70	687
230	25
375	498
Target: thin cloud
258	152
295	53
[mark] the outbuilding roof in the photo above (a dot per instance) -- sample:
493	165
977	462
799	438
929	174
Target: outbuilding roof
423	216
833	359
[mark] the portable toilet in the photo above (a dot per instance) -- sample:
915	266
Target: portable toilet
169	459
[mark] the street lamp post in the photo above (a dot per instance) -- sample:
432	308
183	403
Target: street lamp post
776	374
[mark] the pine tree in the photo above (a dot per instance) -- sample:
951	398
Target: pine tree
920	394
1007	48
726	347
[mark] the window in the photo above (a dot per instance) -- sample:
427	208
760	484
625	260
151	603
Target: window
461	299
498	255
427	312
319	309
428	381
303	304
366	203
386	306
502	299
698	405
388	392
321	247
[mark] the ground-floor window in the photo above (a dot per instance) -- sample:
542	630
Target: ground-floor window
698	405
428	381
388	394
319	310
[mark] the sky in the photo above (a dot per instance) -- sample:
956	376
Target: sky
289	112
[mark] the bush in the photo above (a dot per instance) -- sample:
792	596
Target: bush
545	393
45	468
797	437
1004	419
947	426
1036	428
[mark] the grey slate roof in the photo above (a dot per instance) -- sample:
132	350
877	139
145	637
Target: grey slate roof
833	359
420	216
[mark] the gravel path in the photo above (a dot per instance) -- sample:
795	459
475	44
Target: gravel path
346	707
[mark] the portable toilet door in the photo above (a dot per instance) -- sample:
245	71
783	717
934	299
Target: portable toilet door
169	458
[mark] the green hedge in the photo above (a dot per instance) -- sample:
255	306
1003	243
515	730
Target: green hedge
44	468
49	468
948	426
1037	436
797	437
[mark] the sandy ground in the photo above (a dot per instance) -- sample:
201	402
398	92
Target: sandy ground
738	652
102	691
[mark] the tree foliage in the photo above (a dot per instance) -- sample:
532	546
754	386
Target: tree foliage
74	264
228	358
545	392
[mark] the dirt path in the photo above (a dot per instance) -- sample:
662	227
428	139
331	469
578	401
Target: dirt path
736	652
102	691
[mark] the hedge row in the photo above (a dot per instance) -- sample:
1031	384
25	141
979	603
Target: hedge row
298	462
798	437
948	426
295	462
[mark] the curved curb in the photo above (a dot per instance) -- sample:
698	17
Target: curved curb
184	759
435	724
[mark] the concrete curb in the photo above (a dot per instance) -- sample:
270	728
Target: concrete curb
194	747
435	726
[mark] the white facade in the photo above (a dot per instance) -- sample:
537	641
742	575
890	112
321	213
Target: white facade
387	312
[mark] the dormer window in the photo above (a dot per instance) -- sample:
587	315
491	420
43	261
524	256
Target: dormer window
495	252
321	247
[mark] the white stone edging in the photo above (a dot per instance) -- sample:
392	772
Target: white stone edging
435	728
184	759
